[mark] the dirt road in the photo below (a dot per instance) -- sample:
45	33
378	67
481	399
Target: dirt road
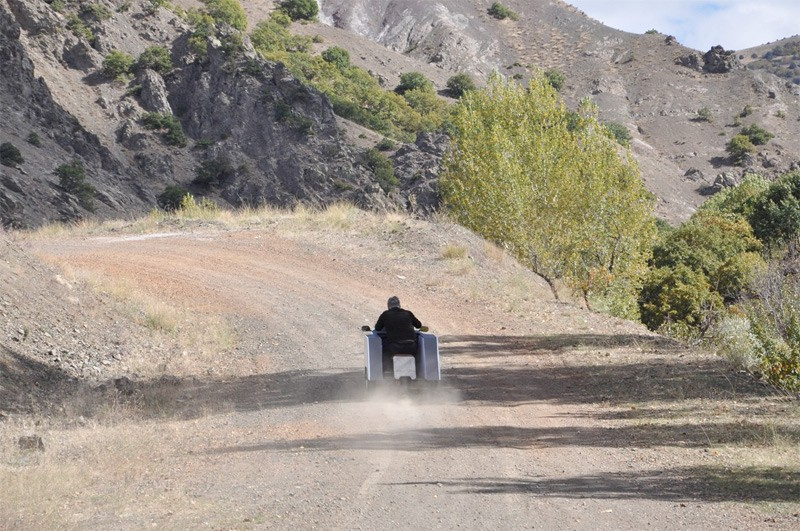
550	416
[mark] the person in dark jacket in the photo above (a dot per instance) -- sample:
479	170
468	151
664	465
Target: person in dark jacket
399	327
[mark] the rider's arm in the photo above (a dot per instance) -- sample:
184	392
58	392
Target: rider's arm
416	322
379	324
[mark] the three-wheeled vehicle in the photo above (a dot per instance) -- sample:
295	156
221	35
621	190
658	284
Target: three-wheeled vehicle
420	366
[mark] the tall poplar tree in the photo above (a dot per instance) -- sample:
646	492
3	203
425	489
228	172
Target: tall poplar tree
553	187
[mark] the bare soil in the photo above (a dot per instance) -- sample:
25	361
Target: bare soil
549	416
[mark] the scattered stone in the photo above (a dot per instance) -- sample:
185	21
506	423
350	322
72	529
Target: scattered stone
31	442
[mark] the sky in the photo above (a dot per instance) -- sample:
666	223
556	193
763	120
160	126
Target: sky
701	24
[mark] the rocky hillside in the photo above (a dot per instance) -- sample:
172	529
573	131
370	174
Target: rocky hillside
254	134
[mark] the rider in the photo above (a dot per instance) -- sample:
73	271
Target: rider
401	336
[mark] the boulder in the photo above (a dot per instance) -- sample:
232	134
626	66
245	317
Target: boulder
153	96
719	61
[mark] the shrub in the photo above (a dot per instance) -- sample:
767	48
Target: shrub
172	197
775	216
739	200
227	11
736	342
739	147
413	80
117	64
10	155
155	58
72	178
96	11
757	135
556	78
79	28
459	84
300	9
704	115
172	130
337	56
34	140
383	168
501	12
619	132
678	301
746	111
213	172
386	144
651	32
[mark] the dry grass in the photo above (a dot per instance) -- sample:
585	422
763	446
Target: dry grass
453	251
93	477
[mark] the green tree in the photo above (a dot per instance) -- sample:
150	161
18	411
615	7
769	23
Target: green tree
459	84
72	177
300	9
337	56
739	147
739	200
227	11
411	81
118	64
775	215
757	135
155	58
383	168
172	197
551	188
619	132
10	155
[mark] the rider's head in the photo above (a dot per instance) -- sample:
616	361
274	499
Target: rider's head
393	302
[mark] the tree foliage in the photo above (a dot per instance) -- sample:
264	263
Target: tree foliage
411	81
155	58
739	147
458	84
300	9
227	11
337	56
10	155
553	190
117	64
775	214
72	177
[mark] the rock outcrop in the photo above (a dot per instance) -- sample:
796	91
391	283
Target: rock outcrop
719	61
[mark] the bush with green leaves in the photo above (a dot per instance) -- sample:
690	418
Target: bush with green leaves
698	269
704	114
383	168
155	58
72	178
411	81
96	11
556	78
501	12
619	132
172	197
459	84
118	64
227	11
34	139
739	147
757	135
214	172
171	129
337	56
775	215
300	9
386	144
10	155
79	28
739	200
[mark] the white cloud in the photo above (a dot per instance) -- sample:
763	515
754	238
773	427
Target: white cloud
700	24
